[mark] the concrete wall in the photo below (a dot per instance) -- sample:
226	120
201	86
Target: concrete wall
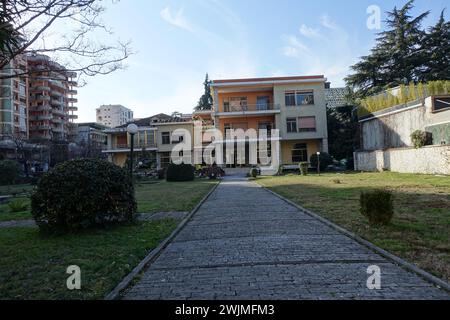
393	129
427	160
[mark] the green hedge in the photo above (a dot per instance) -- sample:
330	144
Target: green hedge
406	94
9	172
180	172
80	194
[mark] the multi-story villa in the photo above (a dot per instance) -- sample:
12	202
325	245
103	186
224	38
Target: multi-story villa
155	137
51	99
113	115
295	106
14	99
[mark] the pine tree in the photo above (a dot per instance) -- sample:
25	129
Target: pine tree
437	51
206	100
397	56
402	43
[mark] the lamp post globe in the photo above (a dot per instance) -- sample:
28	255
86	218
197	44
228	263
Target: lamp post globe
318	162
132	129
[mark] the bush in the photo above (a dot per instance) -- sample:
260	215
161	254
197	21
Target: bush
180	172
325	160
213	172
84	193
161	173
18	205
377	206
303	166
9	172
421	138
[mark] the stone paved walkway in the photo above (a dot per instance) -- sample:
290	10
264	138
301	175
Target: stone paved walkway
245	243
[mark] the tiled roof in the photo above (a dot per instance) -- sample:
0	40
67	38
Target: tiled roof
158	118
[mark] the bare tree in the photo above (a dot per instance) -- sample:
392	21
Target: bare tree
66	30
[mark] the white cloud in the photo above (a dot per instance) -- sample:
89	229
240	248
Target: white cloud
309	32
326	21
177	20
330	53
294	47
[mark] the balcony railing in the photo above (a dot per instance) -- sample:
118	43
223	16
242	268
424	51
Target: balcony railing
136	146
263	106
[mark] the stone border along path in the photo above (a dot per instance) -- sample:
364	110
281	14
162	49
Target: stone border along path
244	242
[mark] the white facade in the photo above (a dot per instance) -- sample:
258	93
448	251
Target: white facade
113	115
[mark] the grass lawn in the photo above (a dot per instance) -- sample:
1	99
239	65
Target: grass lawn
420	229
19	191
33	266
160	196
171	196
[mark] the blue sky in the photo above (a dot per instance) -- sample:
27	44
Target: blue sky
177	42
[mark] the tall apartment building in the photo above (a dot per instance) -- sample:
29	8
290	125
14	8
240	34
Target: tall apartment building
113	115
51	100
14	99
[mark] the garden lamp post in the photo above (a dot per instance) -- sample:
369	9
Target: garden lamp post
318	163
132	129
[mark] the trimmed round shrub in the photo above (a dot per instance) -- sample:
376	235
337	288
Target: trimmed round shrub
9	172
253	172
180	172
81	194
377	206
325	160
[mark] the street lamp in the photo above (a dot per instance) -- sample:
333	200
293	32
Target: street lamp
132	129
318	162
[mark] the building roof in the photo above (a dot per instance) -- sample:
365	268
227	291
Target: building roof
269	79
94	125
336	97
156	119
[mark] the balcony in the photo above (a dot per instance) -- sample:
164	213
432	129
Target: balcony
40	98
58	112
40	88
40	127
58	129
58	120
72	108
249	109
41	117
72	100
56	102
40	108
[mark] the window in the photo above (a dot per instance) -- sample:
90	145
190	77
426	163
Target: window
299	98
289	98
304	98
299	153
164	159
291	124
306	124
262	103
180	139
150	137
165	136
238	103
